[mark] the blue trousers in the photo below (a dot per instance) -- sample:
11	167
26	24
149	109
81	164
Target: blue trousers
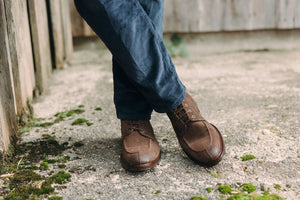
145	78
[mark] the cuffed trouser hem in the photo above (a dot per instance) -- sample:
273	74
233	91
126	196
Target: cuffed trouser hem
133	117
169	108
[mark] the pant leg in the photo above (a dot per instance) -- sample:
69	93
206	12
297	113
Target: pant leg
155	11
130	35
129	102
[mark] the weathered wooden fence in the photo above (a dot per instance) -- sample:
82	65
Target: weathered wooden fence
35	36
218	15
231	15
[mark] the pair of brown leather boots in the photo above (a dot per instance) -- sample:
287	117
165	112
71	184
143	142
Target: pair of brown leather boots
199	139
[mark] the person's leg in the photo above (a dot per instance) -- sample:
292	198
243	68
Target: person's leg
138	48
140	150
130	35
129	102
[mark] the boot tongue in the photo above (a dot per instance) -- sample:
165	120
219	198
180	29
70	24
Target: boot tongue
190	108
143	128
136	143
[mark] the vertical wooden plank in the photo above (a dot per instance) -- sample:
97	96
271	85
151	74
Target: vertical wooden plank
77	22
20	51
67	31
181	17
262	14
79	26
57	32
236	15
218	15
210	15
285	14
41	44
297	15
8	126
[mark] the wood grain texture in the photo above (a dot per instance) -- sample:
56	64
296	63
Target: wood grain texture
230	15
67	30
216	15
57	32
20	51
79	26
41	43
8	125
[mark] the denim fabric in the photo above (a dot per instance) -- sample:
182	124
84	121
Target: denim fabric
144	75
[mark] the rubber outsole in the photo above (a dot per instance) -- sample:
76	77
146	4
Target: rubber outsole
141	167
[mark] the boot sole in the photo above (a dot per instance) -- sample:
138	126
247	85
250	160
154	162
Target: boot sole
140	167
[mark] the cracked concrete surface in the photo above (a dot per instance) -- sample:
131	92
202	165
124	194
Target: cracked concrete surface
252	96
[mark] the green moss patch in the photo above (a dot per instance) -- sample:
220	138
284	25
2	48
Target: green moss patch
39	122
239	196
61	166
245	192
78	144
244	196
216	175
50	161
248	187
198	198
26	184
176	47
247	157
209	189
55	198
69	113
98	109
40	149
225	189
44	165
277	186
158	191
23	177
81	121
60	177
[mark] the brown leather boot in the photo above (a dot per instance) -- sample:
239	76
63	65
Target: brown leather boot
199	139
140	149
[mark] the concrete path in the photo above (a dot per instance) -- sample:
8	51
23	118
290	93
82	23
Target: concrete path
253	96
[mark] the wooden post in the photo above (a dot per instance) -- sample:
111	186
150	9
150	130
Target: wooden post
20	51
8	121
67	30
57	32
297	15
41	44
79	27
285	11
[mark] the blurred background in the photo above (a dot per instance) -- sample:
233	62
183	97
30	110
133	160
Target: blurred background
202	16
